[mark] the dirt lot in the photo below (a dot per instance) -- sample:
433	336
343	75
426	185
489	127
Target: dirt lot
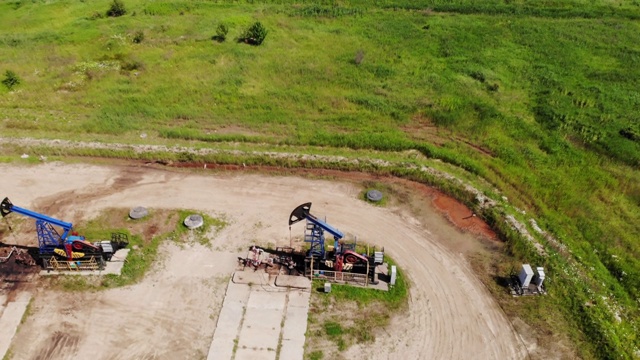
172	313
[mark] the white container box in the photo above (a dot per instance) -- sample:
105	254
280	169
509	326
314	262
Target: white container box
526	274
540	278
394	273
327	287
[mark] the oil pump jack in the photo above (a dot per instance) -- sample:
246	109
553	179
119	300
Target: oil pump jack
343	257
68	250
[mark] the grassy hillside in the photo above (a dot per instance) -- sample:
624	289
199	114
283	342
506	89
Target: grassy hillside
540	98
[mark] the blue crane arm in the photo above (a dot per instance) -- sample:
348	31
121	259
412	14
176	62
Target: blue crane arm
7	207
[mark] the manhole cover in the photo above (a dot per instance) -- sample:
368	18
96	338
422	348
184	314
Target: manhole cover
138	212
374	195
193	221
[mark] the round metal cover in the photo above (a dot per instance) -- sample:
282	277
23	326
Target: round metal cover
374	195
193	221
138	212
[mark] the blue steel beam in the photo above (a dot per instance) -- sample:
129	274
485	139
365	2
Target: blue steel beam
66	226
333	231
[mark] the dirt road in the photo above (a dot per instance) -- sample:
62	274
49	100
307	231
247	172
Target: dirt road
172	312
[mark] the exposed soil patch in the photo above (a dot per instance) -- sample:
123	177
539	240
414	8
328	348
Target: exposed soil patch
461	216
151	231
422	128
476	147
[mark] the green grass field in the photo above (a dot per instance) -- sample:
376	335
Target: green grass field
539	98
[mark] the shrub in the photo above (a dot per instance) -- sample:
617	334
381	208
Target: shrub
478	76
221	33
255	34
630	133
117	9
11	79
138	37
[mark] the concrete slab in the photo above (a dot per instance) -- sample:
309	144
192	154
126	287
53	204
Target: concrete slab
259	319
251	278
262	321
229	321
299	282
261	299
237	292
299	299
113	267
253	354
291	350
10	320
295	325
260	329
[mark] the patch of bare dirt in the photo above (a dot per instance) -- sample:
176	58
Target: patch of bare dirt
422	128
461	216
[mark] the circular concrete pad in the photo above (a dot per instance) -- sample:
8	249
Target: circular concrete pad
374	195
194	221
138	212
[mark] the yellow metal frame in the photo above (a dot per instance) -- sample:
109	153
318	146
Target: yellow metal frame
65	265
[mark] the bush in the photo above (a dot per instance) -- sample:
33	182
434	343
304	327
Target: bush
11	79
631	133
221	33
117	9
478	76
138	37
255	34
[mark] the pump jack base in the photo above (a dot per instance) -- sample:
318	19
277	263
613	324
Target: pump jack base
113	267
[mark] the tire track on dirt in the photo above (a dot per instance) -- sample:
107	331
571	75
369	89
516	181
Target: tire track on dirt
60	345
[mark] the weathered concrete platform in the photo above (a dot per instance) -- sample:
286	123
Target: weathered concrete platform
251	278
299	282
113	267
10	317
261	321
229	321
295	326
